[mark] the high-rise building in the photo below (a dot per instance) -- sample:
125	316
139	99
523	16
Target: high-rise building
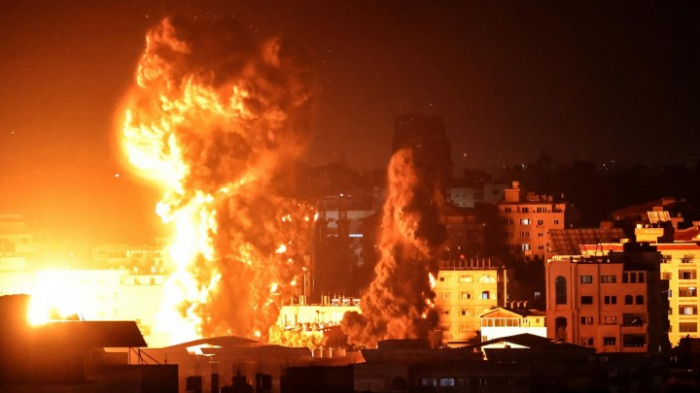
425	135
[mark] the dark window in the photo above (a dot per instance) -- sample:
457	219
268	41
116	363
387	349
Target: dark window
560	325
640	299
586	299
687	292
625	277
608	279
609	341
610	299
628	299
560	289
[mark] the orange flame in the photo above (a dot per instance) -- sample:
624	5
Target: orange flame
212	115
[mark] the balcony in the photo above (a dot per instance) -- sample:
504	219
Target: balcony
634	343
633	321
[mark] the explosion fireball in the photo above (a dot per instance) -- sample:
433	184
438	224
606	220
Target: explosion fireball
399	303
213	119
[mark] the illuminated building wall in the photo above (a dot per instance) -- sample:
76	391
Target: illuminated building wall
680	263
119	282
527	221
97	295
613	303
502	322
679	266
464	291
292	316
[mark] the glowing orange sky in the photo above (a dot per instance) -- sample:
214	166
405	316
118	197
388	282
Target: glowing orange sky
593	82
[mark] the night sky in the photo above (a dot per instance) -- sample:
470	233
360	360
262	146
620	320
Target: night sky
579	80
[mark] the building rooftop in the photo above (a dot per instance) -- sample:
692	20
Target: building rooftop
691	234
568	241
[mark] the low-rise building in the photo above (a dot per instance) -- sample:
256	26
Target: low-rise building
466	289
502	322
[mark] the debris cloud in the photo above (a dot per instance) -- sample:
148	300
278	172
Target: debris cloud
399	303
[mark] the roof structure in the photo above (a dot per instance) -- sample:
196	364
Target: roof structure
507	311
691	234
568	241
99	334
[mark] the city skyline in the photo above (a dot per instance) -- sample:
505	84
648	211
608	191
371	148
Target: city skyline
591	82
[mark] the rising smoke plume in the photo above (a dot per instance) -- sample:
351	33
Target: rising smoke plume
399	302
213	117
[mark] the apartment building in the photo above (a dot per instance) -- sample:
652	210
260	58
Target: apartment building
466	289
613	303
527	220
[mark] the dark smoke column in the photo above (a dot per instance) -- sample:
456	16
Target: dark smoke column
399	302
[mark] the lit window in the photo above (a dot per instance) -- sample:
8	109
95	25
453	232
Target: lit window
688	309
486	279
485	295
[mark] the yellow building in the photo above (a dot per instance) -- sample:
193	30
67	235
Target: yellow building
316	316
527	220
680	263
679	267
466	289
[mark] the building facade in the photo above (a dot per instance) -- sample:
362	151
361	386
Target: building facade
679	266
613	303
527	220
465	290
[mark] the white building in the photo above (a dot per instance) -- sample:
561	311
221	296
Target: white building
503	322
